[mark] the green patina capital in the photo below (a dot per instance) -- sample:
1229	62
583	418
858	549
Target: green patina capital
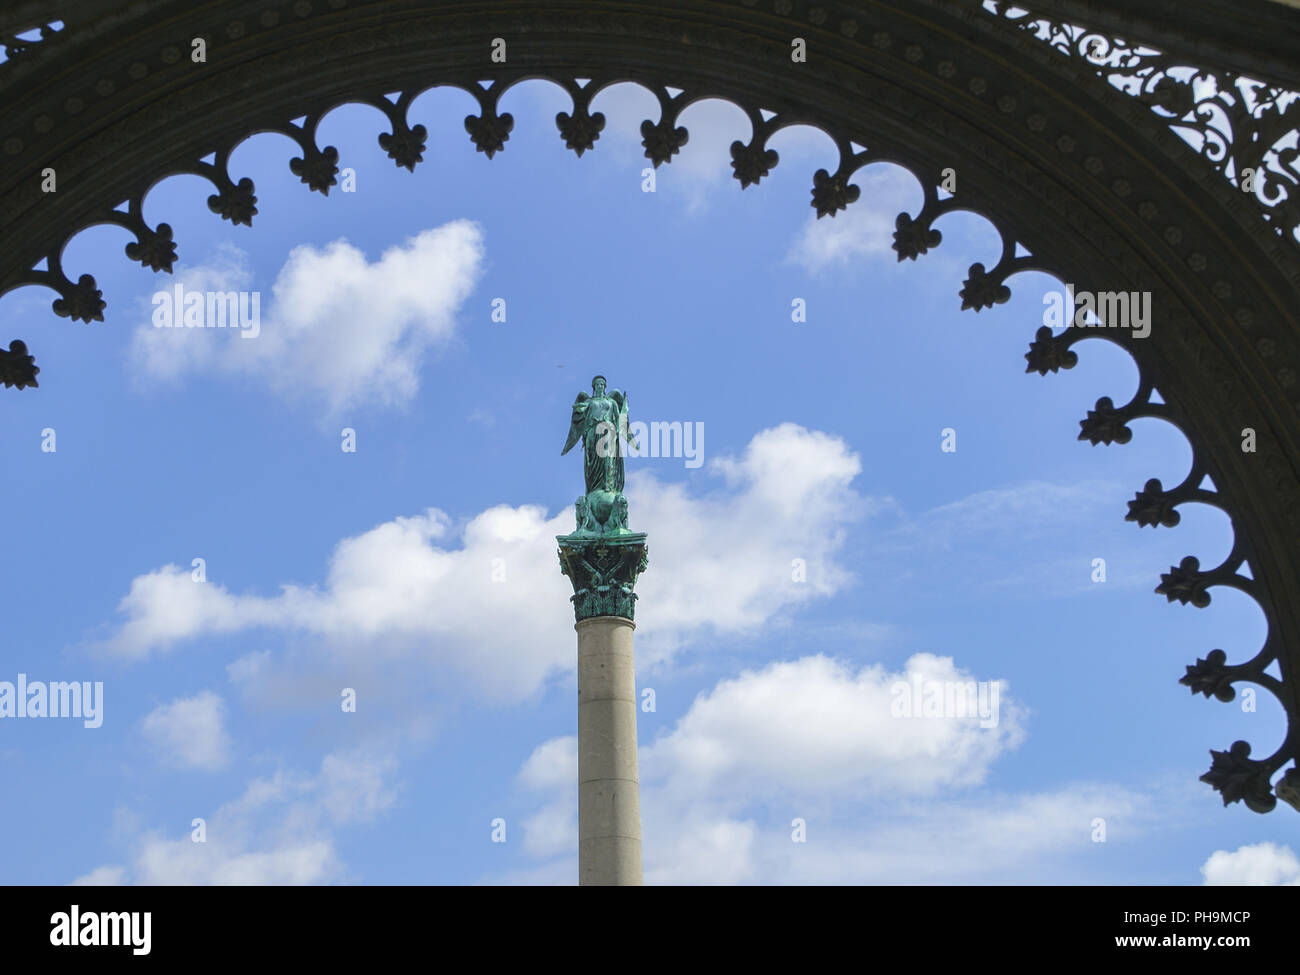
602	556
603	572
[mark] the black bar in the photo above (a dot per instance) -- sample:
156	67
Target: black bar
918	925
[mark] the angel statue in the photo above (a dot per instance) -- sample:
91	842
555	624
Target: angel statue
602	556
600	422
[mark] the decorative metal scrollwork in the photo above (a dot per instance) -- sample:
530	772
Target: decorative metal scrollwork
1243	128
1234	774
317	168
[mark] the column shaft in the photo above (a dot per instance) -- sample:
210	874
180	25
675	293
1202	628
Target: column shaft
609	802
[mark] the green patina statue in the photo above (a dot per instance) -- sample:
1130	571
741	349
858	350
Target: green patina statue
602	556
599	422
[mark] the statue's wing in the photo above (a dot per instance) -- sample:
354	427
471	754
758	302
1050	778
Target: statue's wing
575	424
620	397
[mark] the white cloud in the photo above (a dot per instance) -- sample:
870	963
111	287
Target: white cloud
1257	865
409	587
395	590
986	838
340	330
816	739
552	769
553	764
102	877
790	498
169	354
989	839
353	786
280	831
815	727
190	731
163	862
249	667
883	798
699	848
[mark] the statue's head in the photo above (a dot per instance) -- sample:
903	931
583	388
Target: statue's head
598	385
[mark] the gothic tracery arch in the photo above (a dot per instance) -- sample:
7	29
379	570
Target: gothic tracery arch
1083	181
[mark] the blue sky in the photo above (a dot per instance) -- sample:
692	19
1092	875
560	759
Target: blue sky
420	571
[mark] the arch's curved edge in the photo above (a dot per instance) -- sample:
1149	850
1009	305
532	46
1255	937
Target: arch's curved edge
1095	189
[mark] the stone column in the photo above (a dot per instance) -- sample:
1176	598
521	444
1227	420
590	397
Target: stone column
609	806
603	569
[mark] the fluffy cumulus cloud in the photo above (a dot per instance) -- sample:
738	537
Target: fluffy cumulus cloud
413	585
405	586
282	830
190	732
819	740
1257	865
787	497
339	330
815	726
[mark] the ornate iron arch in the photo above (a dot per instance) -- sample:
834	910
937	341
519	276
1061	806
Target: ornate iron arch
1083	180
